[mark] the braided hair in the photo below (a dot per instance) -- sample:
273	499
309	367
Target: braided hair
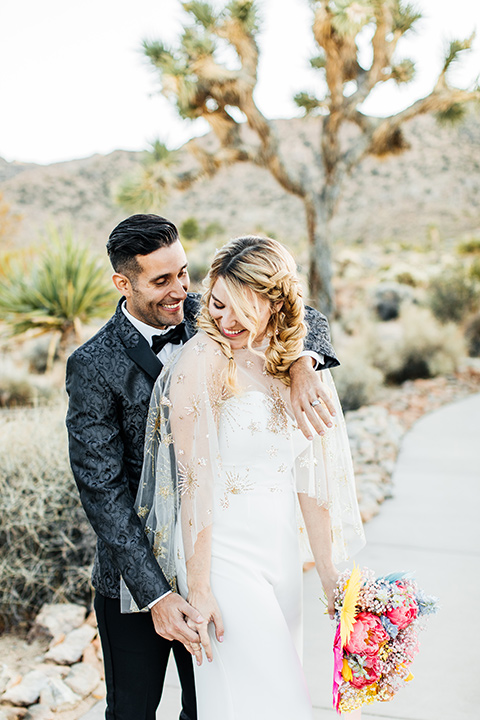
252	266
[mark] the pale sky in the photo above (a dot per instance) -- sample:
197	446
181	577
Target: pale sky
74	82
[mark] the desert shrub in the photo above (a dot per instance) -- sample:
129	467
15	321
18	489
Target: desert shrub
18	389
190	229
453	294
38	356
469	247
472	336
423	348
357	382
46	543
388	298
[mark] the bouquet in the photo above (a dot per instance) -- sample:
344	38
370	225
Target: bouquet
376	637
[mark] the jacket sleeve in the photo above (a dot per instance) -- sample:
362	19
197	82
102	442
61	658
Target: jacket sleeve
96	457
318	337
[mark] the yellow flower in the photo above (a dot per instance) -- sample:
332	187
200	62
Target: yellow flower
346	671
347	613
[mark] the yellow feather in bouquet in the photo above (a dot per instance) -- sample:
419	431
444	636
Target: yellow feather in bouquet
348	611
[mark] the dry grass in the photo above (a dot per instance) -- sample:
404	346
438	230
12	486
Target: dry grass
46	543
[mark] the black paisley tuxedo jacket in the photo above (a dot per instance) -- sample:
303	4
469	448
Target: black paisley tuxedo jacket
109	382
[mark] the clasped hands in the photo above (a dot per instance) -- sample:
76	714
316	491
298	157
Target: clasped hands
176	619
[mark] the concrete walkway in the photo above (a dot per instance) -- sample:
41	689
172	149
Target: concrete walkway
430	528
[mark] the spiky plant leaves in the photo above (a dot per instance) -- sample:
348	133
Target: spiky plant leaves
405	15
246	13
308	103
404	71
196	44
67	286
455	47
203	13
451	115
348	17
319	62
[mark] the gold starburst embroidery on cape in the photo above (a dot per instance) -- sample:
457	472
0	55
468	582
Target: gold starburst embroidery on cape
188	484
180	378
164	400
199	347
272	451
165	491
167	439
217	394
235	485
194	408
254	427
278	420
143	511
160	538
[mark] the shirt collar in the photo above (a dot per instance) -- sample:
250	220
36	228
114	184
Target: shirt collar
148	331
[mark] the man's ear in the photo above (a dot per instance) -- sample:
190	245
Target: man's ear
123	284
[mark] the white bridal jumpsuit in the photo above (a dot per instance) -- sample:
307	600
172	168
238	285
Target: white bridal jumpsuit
240	462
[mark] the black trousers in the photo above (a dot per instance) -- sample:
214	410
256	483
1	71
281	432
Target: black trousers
135	659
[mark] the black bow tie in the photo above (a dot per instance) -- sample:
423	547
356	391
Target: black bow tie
174	335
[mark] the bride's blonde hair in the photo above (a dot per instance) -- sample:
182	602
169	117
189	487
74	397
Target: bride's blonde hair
259	265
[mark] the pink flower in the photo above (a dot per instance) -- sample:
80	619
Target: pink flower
367	635
405	613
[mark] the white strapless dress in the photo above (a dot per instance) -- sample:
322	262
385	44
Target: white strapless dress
256	571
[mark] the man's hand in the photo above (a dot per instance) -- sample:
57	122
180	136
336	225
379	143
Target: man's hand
311	401
170	615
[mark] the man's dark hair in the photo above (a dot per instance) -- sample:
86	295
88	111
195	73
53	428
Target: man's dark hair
138	235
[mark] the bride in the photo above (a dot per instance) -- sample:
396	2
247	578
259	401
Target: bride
225	471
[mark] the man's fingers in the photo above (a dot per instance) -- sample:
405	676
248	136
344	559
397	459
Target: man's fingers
191	613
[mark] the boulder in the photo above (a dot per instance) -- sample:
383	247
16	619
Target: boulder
82	679
6	676
28	690
39	712
58	696
72	648
55	621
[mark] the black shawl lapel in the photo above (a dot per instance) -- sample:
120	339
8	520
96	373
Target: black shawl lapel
136	347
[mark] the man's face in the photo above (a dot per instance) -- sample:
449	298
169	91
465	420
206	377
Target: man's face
156	295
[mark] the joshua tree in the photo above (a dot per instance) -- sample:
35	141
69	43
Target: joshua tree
65	287
200	85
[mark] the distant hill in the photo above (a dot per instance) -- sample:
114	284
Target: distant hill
435	184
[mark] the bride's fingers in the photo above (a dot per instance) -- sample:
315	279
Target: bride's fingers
218	622
205	640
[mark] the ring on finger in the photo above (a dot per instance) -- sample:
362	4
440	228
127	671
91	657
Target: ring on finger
315	402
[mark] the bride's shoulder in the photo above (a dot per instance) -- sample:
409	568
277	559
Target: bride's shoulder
202	349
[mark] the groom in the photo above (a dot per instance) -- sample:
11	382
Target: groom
109	382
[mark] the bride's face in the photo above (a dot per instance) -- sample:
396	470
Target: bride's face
224	316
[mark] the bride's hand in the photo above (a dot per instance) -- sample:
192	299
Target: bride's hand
329	579
204	601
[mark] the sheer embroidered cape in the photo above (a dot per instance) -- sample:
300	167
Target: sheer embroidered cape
183	460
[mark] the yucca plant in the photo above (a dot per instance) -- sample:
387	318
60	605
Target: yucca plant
66	287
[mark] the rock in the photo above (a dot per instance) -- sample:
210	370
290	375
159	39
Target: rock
82	679
58	696
6	676
72	648
57	620
100	691
12	713
39	712
28	690
90	656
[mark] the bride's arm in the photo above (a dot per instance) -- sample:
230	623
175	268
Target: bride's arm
200	594
317	522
